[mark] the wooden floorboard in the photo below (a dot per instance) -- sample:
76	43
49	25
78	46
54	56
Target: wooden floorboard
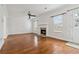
35	44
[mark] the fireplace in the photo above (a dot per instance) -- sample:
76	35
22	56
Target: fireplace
43	31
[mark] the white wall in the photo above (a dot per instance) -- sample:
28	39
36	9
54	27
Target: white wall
19	24
1	21
45	18
3	24
3	18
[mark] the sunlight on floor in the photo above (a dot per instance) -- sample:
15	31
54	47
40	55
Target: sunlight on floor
36	40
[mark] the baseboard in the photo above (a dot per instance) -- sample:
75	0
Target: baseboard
71	44
5	36
20	33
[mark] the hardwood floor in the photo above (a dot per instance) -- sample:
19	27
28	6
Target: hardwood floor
34	44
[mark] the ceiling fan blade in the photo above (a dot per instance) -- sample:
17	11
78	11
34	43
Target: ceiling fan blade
30	15
33	15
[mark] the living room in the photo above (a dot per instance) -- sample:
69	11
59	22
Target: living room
39	28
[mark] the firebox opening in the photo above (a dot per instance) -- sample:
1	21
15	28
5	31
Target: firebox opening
43	31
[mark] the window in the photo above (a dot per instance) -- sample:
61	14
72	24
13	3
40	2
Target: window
58	23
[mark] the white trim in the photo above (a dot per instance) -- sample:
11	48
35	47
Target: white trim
74	45
1	43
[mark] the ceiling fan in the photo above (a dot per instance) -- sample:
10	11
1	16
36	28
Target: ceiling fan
30	15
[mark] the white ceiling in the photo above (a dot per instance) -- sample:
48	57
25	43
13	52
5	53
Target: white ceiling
22	9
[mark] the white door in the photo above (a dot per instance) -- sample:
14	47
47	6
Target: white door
76	26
